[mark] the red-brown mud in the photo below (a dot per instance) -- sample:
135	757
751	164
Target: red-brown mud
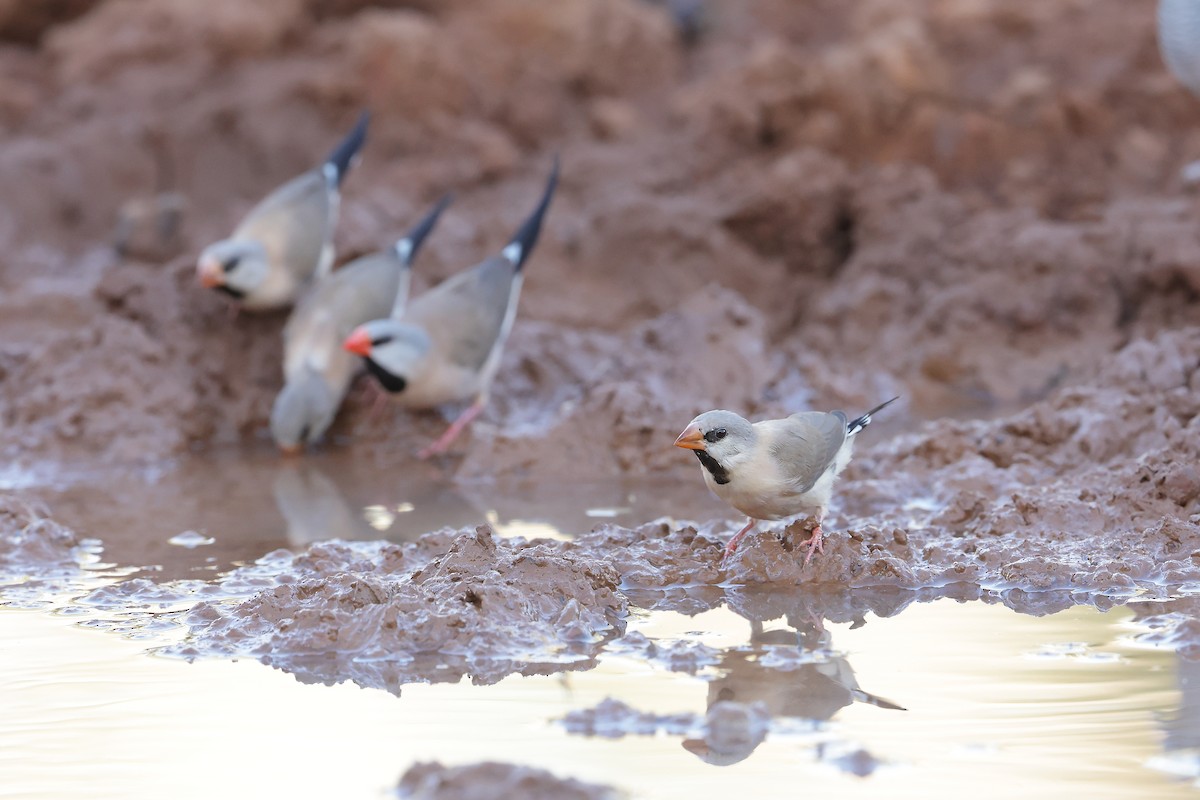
486	780
973	204
968	204
30	540
383	615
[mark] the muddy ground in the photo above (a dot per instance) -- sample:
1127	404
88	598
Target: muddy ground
765	206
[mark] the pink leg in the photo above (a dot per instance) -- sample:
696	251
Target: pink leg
378	403
815	543
737	537
456	427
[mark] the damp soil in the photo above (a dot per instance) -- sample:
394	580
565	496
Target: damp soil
765	206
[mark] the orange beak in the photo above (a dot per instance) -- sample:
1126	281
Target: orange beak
358	343
692	439
210	273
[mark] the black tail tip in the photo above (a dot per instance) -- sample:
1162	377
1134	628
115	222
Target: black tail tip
344	154
407	247
865	419
523	241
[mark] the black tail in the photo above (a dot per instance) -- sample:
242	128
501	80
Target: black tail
521	244
407	247
856	425
343	155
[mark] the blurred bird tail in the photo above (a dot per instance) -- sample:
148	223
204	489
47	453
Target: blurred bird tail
879	702
343	156
856	425
406	248
523	241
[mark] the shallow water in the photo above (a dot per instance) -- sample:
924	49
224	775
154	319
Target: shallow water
1057	706
994	703
252	502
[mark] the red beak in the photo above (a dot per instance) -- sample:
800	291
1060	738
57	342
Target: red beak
210	274
692	439
358	343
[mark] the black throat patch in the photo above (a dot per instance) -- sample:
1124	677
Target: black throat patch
234	293
390	382
719	473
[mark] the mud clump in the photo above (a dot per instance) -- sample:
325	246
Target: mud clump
485	607
40	559
30	541
489	779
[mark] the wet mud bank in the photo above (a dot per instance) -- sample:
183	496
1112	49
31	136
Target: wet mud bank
823	206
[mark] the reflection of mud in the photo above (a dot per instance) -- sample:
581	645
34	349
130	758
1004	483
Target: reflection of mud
432	781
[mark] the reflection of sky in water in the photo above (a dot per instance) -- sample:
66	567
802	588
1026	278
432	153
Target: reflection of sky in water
993	698
1062	705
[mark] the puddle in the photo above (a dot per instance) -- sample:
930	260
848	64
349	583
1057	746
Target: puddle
992	697
663	691
252	502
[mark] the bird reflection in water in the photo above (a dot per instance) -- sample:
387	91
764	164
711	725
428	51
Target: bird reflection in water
790	673
315	508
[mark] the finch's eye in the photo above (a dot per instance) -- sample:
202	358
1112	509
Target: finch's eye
715	435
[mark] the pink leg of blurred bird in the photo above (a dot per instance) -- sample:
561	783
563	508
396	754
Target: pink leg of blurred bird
737	537
379	402
815	543
456	427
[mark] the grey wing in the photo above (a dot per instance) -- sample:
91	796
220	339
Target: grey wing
469	314
295	223
806	445
355	294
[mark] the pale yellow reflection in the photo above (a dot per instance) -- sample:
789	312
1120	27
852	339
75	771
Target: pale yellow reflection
87	714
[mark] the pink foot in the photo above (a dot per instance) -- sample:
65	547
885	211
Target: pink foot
379	402
456	427
737	537
814	544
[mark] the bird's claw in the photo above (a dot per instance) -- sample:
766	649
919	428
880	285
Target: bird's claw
815	544
430	451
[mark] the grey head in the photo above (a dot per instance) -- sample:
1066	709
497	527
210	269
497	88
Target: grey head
304	409
395	352
720	439
234	266
1178	27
